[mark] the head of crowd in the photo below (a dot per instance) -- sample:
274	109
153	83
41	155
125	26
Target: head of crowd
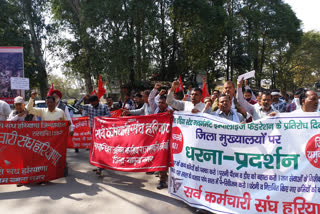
236	102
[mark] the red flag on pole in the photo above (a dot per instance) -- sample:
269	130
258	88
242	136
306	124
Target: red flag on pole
205	92
180	88
50	90
101	89
94	93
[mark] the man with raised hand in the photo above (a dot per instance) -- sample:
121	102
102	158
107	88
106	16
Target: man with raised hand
257	111
94	109
225	111
50	113
194	106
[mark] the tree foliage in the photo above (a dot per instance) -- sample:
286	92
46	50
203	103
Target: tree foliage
135	41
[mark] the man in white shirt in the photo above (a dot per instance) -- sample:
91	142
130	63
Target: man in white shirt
51	113
257	111
194	106
146	109
5	110
309	101
225	111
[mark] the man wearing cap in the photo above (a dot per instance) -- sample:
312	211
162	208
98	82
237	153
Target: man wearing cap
4	110
278	104
58	95
20	113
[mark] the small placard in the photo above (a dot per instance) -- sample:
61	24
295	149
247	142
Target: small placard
18	83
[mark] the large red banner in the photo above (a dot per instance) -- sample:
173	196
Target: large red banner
81	138
133	144
32	152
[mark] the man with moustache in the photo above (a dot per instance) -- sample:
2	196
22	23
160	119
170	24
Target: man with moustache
257	111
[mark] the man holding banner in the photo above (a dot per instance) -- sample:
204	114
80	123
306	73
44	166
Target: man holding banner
95	109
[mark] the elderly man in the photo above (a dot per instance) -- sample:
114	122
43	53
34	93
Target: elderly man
225	111
4	110
194	106
20	113
309	101
262	110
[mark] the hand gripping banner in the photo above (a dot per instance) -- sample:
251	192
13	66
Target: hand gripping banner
133	144
32	152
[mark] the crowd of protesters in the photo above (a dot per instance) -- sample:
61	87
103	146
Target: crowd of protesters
239	104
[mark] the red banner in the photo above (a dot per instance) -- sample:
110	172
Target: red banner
116	113
32	152
132	144
81	138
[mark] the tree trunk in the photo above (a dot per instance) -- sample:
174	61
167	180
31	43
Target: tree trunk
84	39
162	44
36	44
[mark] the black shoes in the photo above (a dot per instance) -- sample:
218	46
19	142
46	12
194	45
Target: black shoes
162	185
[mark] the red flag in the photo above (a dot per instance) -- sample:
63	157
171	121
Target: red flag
94	93
180	88
50	90
116	113
101	89
205	92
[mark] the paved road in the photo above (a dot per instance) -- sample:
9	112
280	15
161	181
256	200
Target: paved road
83	192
